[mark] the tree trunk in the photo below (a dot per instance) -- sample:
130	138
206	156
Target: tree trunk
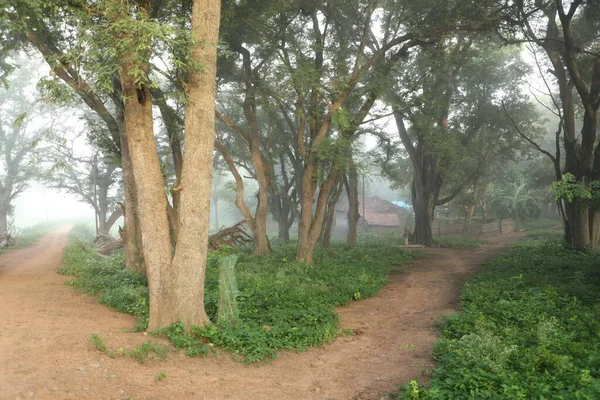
310	225
470	211
579	224
131	233
151	201
353	206
216	211
422	201
281	214
189	261
330	219
4	221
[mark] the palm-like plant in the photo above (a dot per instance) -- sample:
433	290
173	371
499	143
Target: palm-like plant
515	199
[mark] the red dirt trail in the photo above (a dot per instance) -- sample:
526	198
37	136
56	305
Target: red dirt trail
45	329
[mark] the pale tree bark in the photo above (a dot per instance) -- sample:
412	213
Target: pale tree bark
189	261
175	280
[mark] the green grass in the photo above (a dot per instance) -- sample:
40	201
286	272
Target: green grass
282	304
541	223
31	234
459	242
529	328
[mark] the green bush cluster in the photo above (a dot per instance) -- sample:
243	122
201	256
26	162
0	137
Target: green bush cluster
459	242
282	304
107	279
529	328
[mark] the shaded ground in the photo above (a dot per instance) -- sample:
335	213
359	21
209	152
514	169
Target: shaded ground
45	330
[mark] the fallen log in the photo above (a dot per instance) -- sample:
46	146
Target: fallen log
109	247
235	236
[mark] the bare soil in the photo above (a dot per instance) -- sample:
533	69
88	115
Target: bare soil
45	352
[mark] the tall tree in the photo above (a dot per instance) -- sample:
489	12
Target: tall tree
569	37
81	61
175	277
93	179
448	102
20	137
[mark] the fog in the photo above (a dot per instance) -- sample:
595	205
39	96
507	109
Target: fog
39	204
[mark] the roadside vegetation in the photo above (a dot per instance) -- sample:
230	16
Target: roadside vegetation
282	304
527	329
30	235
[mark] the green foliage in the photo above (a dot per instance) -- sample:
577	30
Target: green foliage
161	376
97	342
143	352
541	223
107	279
282	304
569	189
82	232
460	243
528	329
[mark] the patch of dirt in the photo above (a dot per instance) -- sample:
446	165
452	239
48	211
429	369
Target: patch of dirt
45	351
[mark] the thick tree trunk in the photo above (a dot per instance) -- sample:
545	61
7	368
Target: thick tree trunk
281	214
131	233
353	206
310	225
106	224
189	261
579	224
422	201
151	202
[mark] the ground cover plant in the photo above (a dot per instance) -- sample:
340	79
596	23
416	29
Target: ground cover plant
529	328
282	304
31	234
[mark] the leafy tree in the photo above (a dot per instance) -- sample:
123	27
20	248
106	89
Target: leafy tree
20	137
93	179
448	111
568	36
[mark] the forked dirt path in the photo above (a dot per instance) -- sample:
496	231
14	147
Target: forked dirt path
45	328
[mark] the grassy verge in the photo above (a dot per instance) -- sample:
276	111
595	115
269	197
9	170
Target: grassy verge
529	328
31	234
282	304
541	223
459	242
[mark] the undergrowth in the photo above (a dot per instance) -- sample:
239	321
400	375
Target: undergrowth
282	304
459	242
528	329
107	279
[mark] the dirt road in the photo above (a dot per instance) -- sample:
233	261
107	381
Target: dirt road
45	329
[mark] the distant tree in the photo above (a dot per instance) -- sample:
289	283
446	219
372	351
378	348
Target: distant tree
20	139
448	112
93	179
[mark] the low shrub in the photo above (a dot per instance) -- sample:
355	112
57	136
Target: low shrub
528	329
107	279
